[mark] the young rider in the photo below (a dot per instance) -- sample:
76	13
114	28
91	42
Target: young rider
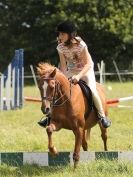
76	62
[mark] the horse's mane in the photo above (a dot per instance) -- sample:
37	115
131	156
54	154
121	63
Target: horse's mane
45	69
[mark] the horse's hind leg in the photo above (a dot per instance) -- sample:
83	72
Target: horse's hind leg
104	136
50	129
84	141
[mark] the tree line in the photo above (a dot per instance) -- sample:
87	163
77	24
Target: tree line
105	25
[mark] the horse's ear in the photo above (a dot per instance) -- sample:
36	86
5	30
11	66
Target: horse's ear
38	70
53	73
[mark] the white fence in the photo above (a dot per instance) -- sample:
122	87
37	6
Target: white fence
11	83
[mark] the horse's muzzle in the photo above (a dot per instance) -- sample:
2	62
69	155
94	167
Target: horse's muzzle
45	110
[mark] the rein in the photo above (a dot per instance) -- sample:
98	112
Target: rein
55	100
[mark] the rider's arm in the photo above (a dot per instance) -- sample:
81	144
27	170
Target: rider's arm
88	64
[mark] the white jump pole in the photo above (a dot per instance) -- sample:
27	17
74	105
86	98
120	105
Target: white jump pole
32	99
34	76
101	73
13	87
117	70
1	92
8	88
125	106
117	100
11	83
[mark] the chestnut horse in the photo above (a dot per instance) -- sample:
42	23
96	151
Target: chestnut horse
68	108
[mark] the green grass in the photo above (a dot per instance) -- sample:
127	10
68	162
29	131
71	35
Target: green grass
119	89
20	132
94	169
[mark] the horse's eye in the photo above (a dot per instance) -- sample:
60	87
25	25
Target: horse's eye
52	84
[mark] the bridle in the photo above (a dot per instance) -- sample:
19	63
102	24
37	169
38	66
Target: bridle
55	99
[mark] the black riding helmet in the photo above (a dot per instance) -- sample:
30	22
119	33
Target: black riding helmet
67	27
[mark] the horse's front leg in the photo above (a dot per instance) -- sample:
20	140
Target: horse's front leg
78	141
52	149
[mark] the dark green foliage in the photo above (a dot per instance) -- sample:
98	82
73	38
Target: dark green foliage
106	26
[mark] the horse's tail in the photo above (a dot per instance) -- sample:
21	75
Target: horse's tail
88	134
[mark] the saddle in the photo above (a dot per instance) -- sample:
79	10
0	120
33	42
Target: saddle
88	94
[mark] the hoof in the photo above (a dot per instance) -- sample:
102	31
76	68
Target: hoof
85	147
53	151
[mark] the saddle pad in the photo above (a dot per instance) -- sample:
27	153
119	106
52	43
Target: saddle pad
87	92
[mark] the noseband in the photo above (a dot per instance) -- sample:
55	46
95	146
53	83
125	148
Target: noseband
55	99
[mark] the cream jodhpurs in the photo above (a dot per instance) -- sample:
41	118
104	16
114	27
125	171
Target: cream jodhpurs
89	78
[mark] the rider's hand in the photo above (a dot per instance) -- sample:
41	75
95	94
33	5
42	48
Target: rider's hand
75	79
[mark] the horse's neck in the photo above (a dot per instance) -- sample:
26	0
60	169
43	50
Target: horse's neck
64	83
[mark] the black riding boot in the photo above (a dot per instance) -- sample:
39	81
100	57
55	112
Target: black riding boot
44	122
105	122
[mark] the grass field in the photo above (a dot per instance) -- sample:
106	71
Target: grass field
94	169
20	132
